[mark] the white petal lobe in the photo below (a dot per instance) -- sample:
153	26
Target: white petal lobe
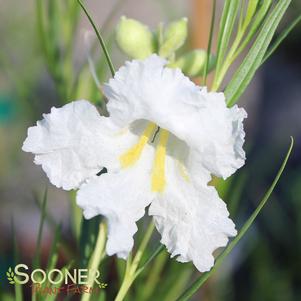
192	222
73	143
120	197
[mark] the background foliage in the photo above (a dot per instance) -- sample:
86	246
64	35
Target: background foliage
42	65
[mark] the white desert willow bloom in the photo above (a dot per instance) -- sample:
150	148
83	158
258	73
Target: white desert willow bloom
163	140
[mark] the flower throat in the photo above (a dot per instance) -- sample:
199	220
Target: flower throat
129	158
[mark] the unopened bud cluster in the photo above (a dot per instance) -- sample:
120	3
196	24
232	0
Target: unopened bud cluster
137	41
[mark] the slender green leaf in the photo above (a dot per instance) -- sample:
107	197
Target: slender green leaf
281	37
252	62
53	255
36	258
229	15
258	19
157	251
244	22
100	39
252	6
148	285
222	29
65	248
89	232
209	42
236	192
96	257
241	15
105	27
204	277
178	284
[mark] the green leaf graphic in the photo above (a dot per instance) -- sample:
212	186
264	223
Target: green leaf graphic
10	276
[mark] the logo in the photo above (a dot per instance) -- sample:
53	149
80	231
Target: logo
10	276
56	281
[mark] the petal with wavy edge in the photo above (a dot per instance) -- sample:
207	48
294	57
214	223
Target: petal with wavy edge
148	90
218	146
74	142
120	197
192	222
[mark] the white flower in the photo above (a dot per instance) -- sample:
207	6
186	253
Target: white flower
164	139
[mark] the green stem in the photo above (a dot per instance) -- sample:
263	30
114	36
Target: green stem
76	216
132	266
100	39
143	245
18	292
96	258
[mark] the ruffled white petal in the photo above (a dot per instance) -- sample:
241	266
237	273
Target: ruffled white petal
120	197
74	142
192	222
148	90
219	145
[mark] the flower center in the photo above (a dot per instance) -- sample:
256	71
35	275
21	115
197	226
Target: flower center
129	158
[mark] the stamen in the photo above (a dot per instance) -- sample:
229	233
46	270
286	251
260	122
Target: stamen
183	171
158	175
134	153
155	135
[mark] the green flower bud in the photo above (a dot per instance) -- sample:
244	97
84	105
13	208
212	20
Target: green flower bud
174	37
193	63
134	38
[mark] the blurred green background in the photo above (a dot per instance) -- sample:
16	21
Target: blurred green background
266	264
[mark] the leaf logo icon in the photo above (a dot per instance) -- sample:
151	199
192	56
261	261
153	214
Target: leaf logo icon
103	285
10	276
